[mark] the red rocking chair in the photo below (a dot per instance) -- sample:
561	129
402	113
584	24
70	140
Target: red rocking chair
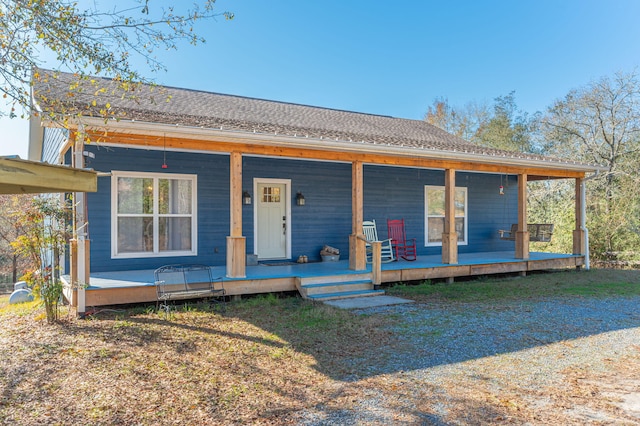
405	248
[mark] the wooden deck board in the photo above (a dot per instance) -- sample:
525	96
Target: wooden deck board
120	287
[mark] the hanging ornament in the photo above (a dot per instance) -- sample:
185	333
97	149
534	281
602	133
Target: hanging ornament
501	190
164	154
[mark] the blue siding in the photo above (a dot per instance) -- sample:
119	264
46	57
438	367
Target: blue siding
396	193
326	216
213	204
390	192
52	142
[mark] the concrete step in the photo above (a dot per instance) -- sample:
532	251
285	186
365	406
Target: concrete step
345	295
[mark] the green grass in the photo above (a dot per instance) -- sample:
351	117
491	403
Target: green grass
593	283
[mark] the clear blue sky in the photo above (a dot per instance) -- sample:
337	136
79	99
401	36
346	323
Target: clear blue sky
395	58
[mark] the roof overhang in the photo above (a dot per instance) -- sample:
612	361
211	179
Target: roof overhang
30	177
324	144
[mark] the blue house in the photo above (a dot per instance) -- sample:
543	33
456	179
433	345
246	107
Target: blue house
196	177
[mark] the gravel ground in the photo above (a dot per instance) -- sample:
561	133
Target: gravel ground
555	361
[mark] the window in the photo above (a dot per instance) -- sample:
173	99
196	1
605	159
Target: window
434	200
270	194
153	215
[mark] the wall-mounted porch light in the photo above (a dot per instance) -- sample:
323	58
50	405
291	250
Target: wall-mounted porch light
246	198
300	199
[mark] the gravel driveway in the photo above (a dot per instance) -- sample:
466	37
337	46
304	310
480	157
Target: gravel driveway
554	361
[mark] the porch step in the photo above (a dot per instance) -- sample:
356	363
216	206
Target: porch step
324	279
336	287
345	295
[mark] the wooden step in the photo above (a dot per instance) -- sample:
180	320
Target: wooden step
345	295
335	278
337	287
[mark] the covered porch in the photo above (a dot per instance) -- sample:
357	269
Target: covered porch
137	286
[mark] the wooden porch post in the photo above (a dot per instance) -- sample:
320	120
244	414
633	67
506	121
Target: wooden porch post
449	236
80	254
578	232
522	235
357	250
236	243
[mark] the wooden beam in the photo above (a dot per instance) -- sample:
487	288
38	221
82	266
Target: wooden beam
409	160
449	236
236	257
235	194
357	249
30	177
376	262
236	243
522	235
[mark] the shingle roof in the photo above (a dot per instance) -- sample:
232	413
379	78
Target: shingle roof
185	107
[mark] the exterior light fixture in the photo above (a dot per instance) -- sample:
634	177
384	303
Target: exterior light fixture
246	198
300	199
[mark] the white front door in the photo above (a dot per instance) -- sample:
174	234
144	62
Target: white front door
272	233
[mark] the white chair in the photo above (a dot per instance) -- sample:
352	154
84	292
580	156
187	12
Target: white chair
371	234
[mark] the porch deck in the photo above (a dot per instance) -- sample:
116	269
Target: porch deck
122	287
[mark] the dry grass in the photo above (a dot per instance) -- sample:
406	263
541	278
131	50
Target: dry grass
258	362
262	361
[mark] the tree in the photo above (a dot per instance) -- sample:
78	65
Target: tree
501	126
45	232
508	128
10	230
89	41
600	123
463	122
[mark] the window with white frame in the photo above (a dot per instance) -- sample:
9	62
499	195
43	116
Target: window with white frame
434	220
153	214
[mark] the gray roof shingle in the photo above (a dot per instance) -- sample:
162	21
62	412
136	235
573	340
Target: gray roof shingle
192	108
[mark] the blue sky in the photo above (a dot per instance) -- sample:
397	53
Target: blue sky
395	58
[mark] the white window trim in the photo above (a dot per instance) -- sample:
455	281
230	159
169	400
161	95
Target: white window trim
465	241
155	176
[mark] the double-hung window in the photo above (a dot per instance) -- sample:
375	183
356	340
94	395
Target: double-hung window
153	215
434	220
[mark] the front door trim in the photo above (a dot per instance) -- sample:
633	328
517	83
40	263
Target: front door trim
287	185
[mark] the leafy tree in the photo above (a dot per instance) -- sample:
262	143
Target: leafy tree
551	201
501	126
600	123
89	40
45	233
10	230
463	122
508	128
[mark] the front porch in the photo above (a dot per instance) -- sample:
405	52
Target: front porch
137	286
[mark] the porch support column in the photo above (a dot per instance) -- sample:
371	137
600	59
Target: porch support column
357	248
80	254
578	232
522	235
449	235
236	243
